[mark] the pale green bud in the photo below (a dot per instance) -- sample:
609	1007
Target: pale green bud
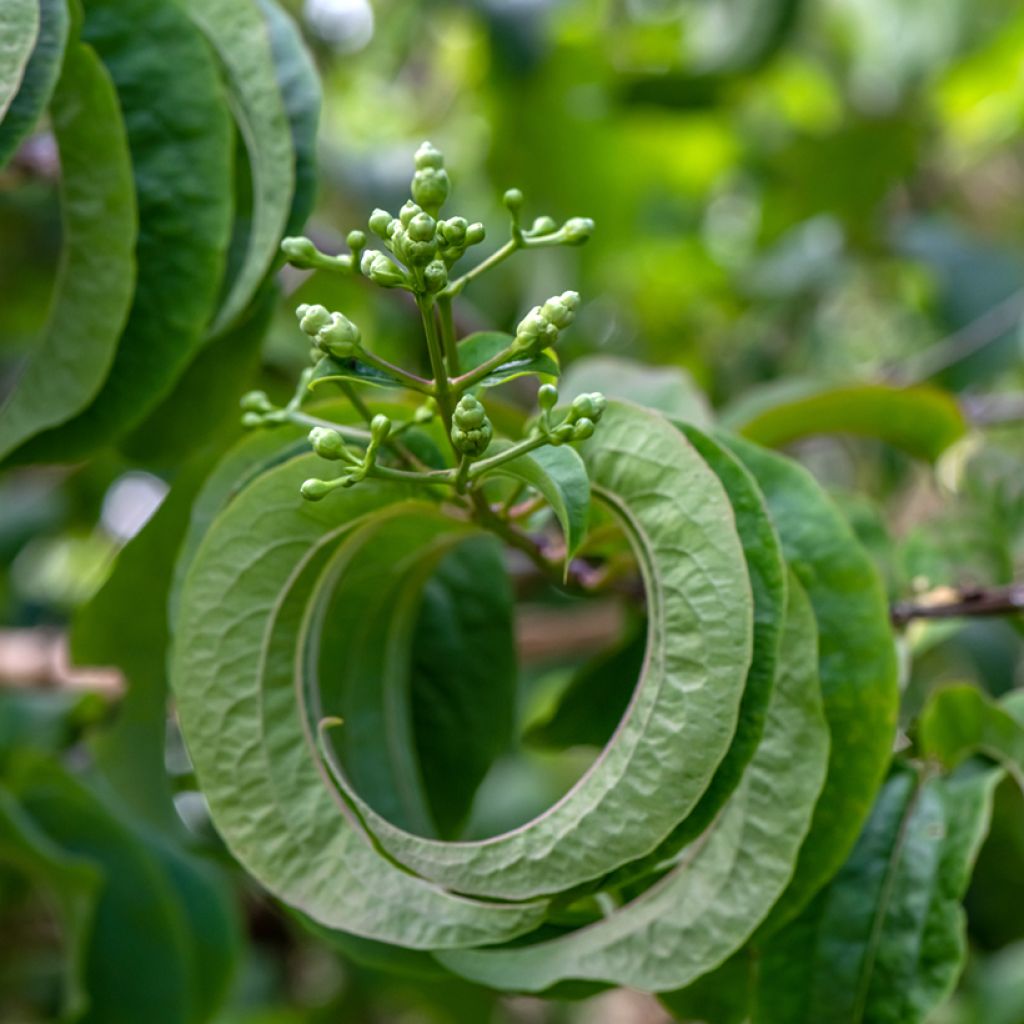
407	212
513	200
469	413
256	401
561	309
421	227
583	429
380	427
356	240
379	269
300	252
430	187
475	233
250	420
315	490
379	221
547	397
340	338
312	318
435	276
327	443
428	155
563	433
577	230
544	226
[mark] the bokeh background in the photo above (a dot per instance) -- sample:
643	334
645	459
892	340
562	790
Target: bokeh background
784	190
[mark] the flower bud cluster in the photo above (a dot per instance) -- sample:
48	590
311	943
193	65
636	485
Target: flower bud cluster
471	429
540	327
332	333
330	445
584	413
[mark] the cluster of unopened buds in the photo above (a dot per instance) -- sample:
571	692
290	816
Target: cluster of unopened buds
420	250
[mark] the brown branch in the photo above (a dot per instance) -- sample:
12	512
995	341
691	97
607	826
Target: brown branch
37	659
948	603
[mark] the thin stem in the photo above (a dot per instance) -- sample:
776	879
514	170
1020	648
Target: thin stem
451	347
409	379
485	465
305	420
499	256
441	387
463	474
467	380
947	603
436	476
511	535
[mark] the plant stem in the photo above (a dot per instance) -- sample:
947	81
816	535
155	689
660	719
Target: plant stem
436	476
463	474
451	347
512	536
947	603
467	380
499	256
485	465
302	419
441	389
411	380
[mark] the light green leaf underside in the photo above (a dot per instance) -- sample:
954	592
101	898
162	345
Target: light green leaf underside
561	477
354	371
39	79
241	609
724	883
238	31
667	389
97	271
18	33
923	421
857	660
683	713
884	942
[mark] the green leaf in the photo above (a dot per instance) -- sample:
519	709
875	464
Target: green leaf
96	279
557	473
300	91
234	678
73	882
476	349
18	33
884	942
240	35
857	663
180	135
680	523
463	677
39	79
923	421
960	721
666	389
715	893
353	370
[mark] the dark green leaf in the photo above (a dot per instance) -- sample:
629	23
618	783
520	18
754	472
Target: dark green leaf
95	284
857	662
239	33
884	942
476	349
39	80
356	371
180	135
923	421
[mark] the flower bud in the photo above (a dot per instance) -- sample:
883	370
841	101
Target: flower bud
314	490
356	240
544	226
300	252
471	429
475	233
380	427
547	397
561	309
250	420
469	413
417	254
453	230
379	221
563	433
407	212
379	269
327	443
312	318
255	401
430	187
421	228
513	200
583	429
340	338
435	276
428	155
577	230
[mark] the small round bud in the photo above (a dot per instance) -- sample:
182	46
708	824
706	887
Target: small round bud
583	406
453	230
475	233
600	403
469	413
430	187
300	252
421	227
312	318
255	401
428	155
583	429
563	433
250	420
327	443
356	240
561	309
544	226
513	200
435	276
314	490
547	397
380	427
381	270
340	338
578	230
407	212
417	254
379	221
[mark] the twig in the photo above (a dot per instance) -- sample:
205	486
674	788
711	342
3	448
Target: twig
949	603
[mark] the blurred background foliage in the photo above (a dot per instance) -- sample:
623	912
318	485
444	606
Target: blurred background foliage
785	190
